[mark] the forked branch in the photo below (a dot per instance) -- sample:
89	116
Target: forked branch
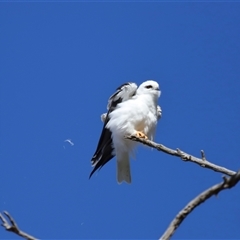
13	227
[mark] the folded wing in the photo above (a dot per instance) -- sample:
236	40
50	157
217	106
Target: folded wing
105	149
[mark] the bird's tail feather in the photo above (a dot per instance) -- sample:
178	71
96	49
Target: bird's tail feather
123	168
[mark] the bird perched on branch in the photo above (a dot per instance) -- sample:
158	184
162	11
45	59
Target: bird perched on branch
131	111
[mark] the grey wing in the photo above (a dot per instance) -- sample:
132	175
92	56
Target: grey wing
105	149
123	93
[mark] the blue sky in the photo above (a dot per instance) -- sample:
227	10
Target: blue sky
59	64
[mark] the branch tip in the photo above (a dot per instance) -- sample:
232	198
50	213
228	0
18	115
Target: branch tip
179	152
203	155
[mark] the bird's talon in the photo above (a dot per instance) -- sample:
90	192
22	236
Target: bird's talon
141	135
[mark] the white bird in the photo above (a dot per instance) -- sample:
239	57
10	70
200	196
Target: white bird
130	112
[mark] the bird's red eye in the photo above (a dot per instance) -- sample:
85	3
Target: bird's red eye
148	86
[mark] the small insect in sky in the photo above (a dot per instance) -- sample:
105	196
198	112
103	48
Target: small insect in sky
69	141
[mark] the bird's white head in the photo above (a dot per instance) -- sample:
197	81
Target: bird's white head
149	87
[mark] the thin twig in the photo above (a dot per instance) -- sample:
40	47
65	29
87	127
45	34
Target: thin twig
184	156
203	155
214	190
13	227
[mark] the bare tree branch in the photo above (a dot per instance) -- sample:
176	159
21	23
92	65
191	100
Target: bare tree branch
184	156
227	183
214	190
13	227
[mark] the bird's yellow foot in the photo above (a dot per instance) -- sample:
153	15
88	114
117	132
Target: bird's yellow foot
141	135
